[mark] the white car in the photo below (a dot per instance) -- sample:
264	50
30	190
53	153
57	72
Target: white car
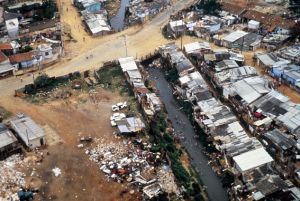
117	116
115	108
119	106
113	123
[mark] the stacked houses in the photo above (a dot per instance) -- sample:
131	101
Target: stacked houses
271	118
150	103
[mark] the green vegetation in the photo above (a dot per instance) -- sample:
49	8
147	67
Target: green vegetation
27	49
42	80
4	114
171	74
166	34
113	79
182	175
227	179
209	5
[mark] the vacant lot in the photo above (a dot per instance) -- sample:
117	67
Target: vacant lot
80	115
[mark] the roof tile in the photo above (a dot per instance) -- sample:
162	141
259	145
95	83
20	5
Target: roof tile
5	46
18	58
232	8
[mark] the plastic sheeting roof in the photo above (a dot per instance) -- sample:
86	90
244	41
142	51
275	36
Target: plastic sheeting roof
252	159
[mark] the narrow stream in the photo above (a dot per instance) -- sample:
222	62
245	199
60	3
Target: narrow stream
118	21
210	179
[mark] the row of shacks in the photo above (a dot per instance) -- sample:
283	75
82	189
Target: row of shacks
150	103
257	176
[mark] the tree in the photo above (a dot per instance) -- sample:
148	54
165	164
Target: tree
42	80
27	49
49	8
37	15
294	7
24	9
295	31
210	5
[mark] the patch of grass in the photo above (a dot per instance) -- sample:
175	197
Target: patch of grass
4	114
165	33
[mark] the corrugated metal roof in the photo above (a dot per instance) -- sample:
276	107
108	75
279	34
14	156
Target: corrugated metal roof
280	139
235	36
7	138
246	92
252	159
127	63
28	127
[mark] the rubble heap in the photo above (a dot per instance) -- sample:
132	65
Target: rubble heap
132	161
11	180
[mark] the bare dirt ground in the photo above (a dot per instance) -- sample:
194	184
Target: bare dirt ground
80	179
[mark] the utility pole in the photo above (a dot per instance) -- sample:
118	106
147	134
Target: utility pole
125	44
242	44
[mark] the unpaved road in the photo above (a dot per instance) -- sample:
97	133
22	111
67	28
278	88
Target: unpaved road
140	41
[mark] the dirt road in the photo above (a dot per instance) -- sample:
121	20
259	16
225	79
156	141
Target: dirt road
140	41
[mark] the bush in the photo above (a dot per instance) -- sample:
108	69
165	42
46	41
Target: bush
42	80
27	49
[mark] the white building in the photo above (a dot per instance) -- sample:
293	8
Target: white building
252	159
28	130
46	51
12	27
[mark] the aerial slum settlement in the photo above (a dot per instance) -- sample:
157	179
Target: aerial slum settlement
28	45
263	165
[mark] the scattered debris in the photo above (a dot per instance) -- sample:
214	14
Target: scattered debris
132	161
56	171
11	180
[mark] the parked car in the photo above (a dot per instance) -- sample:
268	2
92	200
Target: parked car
25	195
119	106
116	117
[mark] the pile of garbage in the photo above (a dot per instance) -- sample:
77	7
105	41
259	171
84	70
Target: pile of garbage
156	63
11	180
133	162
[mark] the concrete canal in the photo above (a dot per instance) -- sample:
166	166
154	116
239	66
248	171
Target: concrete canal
214	189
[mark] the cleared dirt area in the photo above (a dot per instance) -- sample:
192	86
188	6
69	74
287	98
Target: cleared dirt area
80	178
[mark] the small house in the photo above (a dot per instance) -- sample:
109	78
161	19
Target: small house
7	140
233	37
10	48
177	26
22	60
98	27
285	27
127	63
233	10
46	51
252	159
154	102
31	134
282	144
6	69
12	27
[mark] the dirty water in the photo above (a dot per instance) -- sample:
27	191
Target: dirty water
117	22
214	189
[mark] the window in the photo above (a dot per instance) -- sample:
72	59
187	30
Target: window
46	53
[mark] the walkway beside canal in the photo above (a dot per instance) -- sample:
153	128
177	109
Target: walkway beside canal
210	179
